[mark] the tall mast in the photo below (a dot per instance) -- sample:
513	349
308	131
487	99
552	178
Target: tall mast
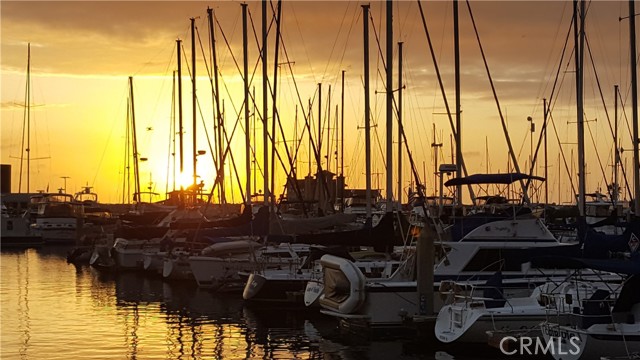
172	138
126	185
578	17
320	178
546	159
367	120
27	126
247	124
265	107
435	145
329	129
342	144
180	128
28	117
193	96
634	105
456	46
136	169
389	106
275	94
400	129
218	122
616	154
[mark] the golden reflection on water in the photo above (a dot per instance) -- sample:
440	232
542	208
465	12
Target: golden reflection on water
53	310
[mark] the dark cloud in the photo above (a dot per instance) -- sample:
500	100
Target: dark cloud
522	40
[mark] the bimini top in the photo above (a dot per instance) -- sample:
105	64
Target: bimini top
506	178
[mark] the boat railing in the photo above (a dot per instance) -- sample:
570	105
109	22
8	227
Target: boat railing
468	294
581	312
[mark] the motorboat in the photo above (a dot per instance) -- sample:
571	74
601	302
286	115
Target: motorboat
506	245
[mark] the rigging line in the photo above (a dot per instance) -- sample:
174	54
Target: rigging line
206	132
172	136
599	86
306	119
624	112
381	57
454	131
346	43
525	197
219	176
204	124
606	113
224	83
564	159
233	161
276	113
624	174
563	49
302	135
552	98
237	111
335	41
204	57
252	149
604	175
306	52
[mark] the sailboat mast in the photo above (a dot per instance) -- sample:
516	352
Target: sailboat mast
320	178
389	106
26	126
172	138
28	116
275	94
265	105
367	115
180	131
546	159
126	183
634	105
193	96
578	21
342	144
400	129
136	170
247	124
616	154
456	46
218	122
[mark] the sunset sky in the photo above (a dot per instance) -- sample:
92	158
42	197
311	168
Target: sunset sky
82	54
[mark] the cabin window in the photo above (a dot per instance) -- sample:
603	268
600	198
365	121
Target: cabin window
497	259
440	252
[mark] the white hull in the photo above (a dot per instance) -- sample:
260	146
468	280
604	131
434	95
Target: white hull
215	273
152	261
129	259
129	254
177	268
477	331
595	342
16	231
57	230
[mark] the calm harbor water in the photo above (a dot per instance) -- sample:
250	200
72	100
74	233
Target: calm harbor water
54	310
